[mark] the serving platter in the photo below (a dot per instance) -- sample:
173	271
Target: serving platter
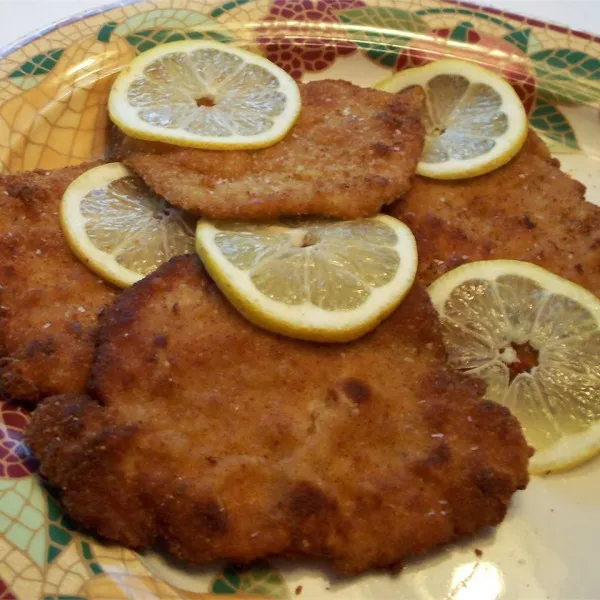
53	90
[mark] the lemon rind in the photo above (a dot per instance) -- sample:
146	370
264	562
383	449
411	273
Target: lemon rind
567	453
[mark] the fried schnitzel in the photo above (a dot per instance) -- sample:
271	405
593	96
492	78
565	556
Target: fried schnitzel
223	440
527	210
49	301
351	151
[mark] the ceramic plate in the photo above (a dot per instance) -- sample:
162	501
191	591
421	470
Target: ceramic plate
53	89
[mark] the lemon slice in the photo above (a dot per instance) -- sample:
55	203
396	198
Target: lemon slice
312	279
119	228
206	95
474	120
535	339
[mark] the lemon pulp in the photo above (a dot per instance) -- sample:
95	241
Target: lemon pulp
121	229
535	339
474	120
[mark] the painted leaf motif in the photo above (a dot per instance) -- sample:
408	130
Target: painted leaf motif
163	18
371	36
60	529
552	124
88	555
259	578
567	76
464	33
520	39
149	38
466	12
40	64
171	20
217	12
23	517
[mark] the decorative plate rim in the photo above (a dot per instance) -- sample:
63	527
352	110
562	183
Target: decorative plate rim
85	14
28	38
553	25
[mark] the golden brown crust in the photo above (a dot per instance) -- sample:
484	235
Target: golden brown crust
49	301
527	210
226	441
84	452
352	151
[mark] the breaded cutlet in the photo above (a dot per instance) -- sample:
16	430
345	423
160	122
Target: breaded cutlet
352	151
526	210
217	439
49	301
